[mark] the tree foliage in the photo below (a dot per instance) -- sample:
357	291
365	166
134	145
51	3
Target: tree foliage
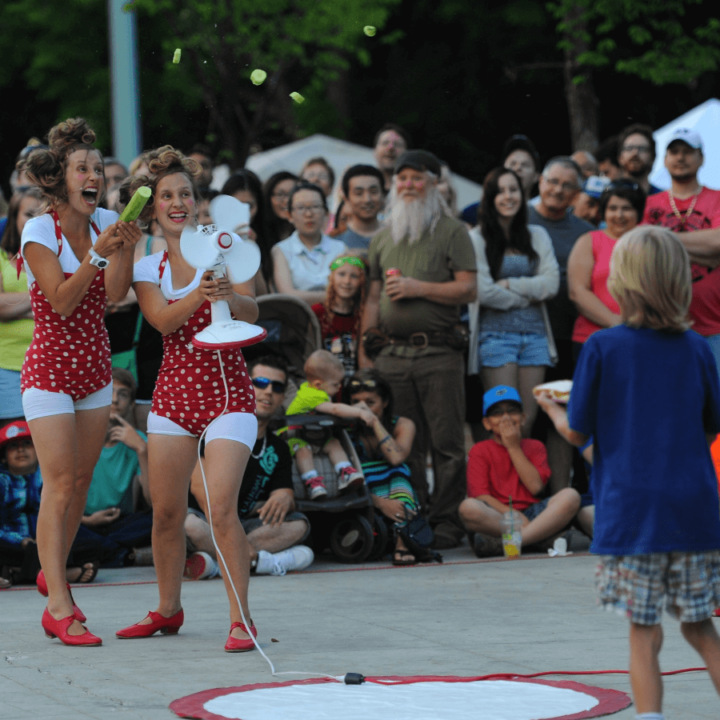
660	41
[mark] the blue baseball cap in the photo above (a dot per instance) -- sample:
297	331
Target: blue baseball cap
498	394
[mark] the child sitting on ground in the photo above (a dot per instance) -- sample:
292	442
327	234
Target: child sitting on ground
508	466
647	392
339	314
324	373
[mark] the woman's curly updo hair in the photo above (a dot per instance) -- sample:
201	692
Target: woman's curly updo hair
46	168
163	161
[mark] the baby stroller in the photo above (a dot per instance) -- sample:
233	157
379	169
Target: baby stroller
345	523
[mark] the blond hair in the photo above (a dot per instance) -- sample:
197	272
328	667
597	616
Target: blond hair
650	279
321	364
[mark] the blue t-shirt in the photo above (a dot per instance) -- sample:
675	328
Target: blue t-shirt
648	398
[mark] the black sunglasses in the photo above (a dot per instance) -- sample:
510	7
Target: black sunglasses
277	386
621	185
357	385
29	148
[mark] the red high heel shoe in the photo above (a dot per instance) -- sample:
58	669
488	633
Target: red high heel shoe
236	645
59	629
166	626
43	590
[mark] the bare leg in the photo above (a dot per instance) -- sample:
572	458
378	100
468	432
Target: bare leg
60	457
334	450
304	459
528	377
478	516
224	470
586	519
171	459
141	415
560	461
505	375
704	638
645	678
561	509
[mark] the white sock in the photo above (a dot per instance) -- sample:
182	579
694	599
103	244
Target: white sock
309	475
339	467
650	716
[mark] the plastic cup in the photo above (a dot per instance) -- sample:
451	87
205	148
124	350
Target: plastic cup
511	537
393	272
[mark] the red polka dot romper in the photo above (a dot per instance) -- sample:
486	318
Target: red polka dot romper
190	389
69	355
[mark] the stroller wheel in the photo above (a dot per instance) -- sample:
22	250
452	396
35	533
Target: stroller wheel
352	539
381	537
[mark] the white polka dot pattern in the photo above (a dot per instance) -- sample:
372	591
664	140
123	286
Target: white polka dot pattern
188	376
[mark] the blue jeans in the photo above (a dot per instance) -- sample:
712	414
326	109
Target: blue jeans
496	349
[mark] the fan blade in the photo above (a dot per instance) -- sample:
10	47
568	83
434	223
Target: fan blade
243	261
229	213
198	250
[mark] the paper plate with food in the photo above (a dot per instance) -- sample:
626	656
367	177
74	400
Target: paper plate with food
559	390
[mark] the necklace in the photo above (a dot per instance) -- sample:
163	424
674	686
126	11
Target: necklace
683	218
262	449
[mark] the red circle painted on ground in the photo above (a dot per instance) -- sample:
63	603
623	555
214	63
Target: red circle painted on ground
608	701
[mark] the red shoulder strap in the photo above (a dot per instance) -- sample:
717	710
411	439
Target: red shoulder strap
58	231
163	263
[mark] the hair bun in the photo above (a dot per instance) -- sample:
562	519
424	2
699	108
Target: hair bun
73	131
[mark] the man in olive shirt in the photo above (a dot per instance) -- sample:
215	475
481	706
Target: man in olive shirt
422	269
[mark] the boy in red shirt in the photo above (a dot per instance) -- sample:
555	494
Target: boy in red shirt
509	466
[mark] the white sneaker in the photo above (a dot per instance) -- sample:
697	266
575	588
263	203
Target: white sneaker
200	566
294	558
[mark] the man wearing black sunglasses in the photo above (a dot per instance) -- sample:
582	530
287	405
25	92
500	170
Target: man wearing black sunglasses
267	503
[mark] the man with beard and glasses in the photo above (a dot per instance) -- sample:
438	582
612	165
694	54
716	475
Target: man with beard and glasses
422	269
636	155
390	142
693	212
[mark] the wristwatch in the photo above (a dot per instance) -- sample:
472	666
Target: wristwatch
98	260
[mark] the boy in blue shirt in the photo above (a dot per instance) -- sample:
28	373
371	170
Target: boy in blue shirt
647	391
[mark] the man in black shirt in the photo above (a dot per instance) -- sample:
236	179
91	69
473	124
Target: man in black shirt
266	504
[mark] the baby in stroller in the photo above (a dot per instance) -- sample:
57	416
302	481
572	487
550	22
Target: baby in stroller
324	373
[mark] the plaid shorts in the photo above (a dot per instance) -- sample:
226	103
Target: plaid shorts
635	585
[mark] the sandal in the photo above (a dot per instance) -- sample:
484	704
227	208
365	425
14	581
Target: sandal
88	572
403	557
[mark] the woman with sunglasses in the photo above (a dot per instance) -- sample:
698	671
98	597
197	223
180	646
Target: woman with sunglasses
383	448
302	262
340	313
622	204
16	318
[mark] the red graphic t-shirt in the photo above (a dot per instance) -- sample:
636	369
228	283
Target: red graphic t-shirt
705	215
339	335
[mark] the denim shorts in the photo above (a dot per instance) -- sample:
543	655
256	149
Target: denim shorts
496	349
10	396
532	511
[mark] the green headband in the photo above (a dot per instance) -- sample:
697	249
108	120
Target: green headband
349	260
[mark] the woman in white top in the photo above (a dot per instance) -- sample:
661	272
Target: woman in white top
302	262
77	257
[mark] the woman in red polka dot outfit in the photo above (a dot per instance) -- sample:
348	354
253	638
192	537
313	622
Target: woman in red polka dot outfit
190	395
77	256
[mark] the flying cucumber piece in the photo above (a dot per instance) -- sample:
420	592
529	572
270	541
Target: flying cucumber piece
177	55
137	203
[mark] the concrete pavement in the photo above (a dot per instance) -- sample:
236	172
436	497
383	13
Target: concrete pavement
465	617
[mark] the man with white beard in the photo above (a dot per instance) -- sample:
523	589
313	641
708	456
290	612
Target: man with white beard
422	269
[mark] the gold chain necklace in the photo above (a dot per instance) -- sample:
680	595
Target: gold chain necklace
683	218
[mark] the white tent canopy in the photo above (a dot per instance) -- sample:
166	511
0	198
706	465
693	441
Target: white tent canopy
339	153
705	120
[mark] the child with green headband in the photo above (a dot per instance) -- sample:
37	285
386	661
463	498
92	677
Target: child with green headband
339	314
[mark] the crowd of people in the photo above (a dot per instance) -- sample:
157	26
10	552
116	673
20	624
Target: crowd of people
433	319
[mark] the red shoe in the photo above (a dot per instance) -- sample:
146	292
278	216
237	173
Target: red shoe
43	590
166	626
59	629
716	612
235	645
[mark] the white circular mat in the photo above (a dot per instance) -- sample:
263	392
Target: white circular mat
414	699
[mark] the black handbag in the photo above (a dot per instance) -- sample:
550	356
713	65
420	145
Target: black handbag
417	535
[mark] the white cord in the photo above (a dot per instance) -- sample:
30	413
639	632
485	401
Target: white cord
338	678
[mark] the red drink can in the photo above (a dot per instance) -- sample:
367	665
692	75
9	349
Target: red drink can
393	272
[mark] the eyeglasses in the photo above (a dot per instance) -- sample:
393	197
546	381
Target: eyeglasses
27	150
356	385
302	209
636	148
281	194
262	382
565	187
19	444
621	185
316	176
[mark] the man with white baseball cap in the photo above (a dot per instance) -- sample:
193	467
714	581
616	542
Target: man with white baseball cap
693	212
